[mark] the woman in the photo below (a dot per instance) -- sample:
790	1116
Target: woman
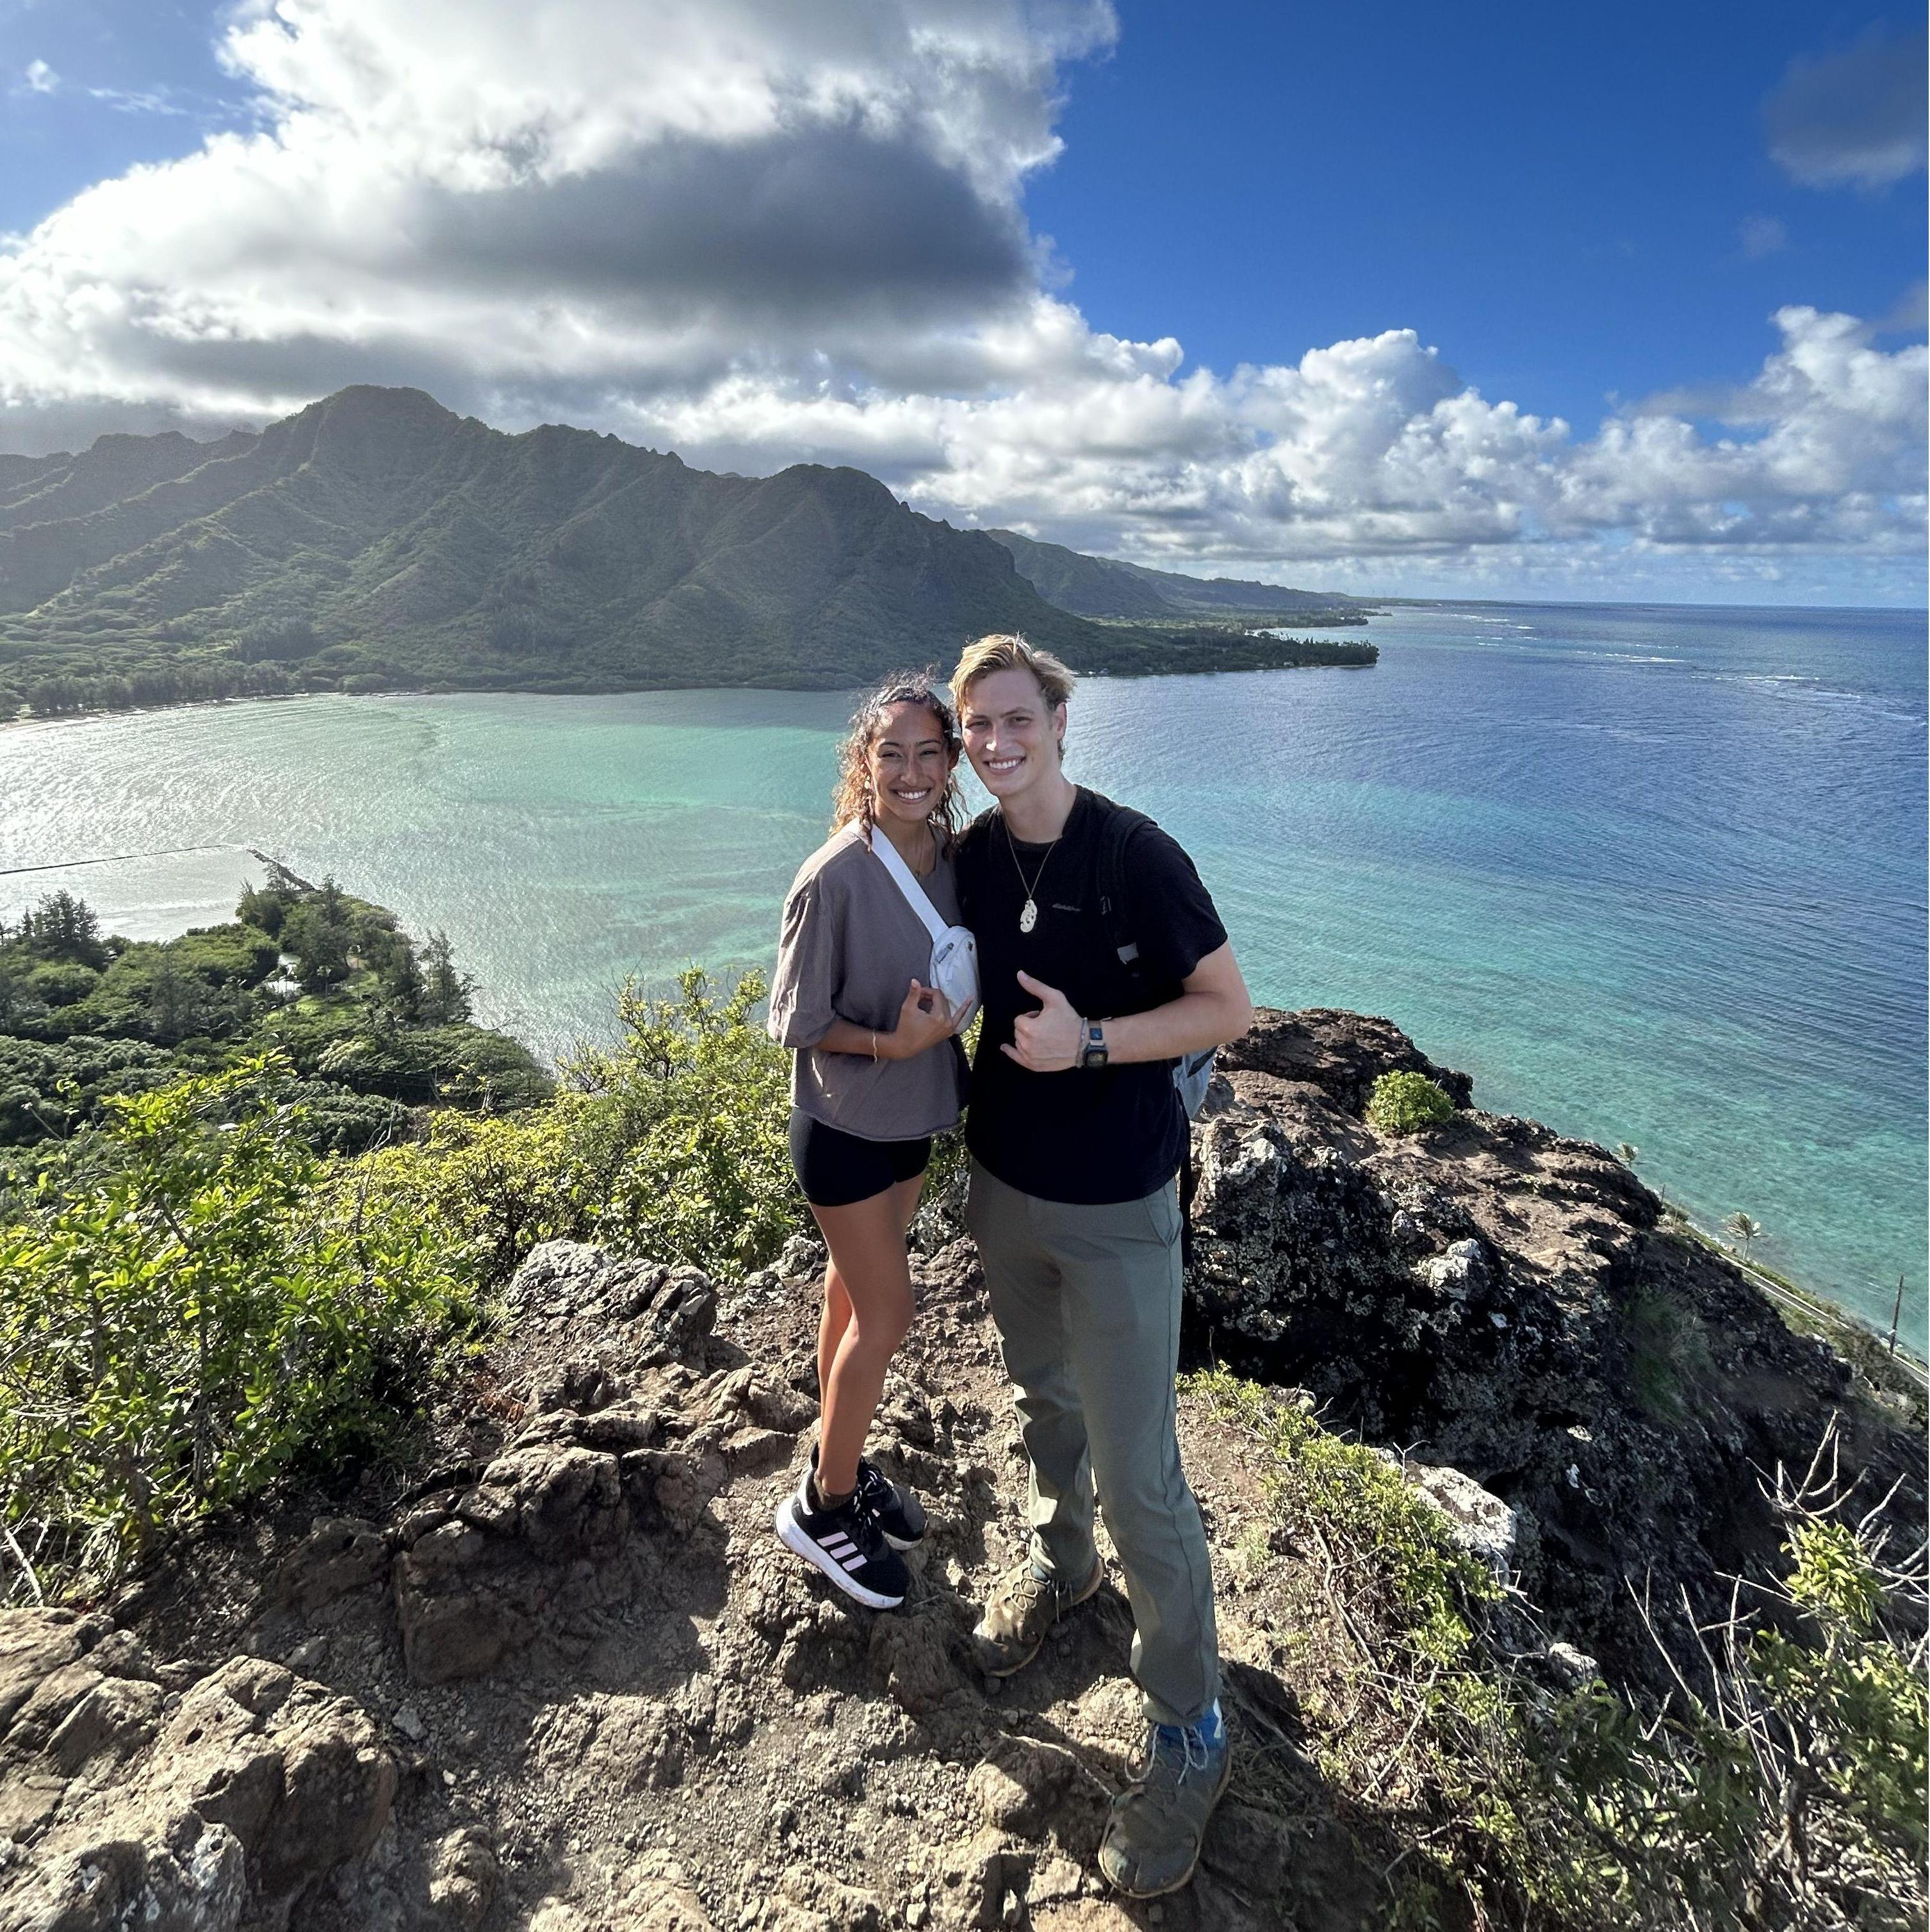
877	1074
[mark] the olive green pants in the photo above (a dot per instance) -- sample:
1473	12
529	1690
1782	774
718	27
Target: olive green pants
1087	1302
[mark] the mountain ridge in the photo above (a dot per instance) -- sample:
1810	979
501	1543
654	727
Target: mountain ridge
375	539
1110	587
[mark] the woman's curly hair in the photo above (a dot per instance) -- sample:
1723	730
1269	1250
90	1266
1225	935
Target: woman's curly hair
852	800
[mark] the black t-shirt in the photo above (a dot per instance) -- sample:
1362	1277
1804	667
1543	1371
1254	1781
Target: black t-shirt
1113	1133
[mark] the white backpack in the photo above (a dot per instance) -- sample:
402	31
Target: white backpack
954	967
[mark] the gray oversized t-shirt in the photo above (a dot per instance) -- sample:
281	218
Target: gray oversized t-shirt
849	949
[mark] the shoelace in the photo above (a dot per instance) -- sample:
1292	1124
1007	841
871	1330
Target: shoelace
1187	1739
1032	1589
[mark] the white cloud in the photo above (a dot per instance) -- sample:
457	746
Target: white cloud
1762	235
41	79
759	233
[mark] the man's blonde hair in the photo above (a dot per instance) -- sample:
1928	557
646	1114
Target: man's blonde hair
1007	651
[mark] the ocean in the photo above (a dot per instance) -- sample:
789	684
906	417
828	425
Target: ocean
1653	874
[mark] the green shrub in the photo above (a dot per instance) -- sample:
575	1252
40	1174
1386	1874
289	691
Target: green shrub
1668	1352
1405	1103
673	1144
1783	1785
191	1308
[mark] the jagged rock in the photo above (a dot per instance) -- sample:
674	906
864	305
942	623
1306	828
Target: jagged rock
1502	1301
659	1897
813	1901
1480	1522
639	1744
339	1554
646	1312
801	1256
31	1646
1343	1054
968	1881
462	1887
914	1655
1570	1668
227	1808
1457	1274
478	1573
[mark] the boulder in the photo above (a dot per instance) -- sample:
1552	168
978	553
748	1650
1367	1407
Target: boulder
225	1809
339	1554
646	1312
484	1568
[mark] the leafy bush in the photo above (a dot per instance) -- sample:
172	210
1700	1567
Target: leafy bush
51	1088
1405	1103
672	1143
190	1311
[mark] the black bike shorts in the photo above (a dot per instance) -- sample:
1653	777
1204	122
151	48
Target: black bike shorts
836	1168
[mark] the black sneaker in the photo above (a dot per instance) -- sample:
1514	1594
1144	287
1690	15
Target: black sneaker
897	1512
848	1545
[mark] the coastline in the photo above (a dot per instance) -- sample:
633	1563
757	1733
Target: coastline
1802	1309
655	842
446	688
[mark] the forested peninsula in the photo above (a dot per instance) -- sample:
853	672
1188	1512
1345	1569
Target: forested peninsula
390	1433
376	541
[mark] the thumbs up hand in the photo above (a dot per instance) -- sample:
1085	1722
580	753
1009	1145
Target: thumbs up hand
1049	1040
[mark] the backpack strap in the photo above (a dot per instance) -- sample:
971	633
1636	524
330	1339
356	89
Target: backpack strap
1117	823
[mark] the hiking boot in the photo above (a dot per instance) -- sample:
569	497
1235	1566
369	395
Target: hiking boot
1153	1829
847	1544
1025	1604
897	1512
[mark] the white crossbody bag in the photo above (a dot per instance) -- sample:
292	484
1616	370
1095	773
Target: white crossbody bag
954	967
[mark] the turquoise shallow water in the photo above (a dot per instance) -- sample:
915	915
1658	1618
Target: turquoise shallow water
1655	874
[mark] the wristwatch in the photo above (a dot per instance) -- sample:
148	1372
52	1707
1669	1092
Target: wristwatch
1093	1052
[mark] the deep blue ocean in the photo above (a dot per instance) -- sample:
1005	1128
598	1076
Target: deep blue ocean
1651	874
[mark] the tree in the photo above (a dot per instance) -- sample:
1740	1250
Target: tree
13	995
445	992
402	985
1627	1153
321	949
62	927
176	1001
1742	1230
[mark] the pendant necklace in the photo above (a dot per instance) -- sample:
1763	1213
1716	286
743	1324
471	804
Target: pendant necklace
1028	913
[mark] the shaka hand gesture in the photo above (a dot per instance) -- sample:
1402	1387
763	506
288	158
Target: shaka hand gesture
1048	1041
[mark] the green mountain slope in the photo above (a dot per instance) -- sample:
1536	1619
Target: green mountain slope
375	540
1104	587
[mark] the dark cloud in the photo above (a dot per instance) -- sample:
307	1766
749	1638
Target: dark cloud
1855	117
788	231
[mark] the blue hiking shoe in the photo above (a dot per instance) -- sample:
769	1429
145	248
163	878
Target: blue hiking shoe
1155	1828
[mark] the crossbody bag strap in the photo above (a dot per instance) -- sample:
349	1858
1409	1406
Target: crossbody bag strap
907	882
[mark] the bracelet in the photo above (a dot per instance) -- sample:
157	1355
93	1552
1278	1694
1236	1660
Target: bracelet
873	1045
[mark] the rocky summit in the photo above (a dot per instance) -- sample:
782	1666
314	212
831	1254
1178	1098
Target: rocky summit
559	1674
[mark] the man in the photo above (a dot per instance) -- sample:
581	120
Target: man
1076	1133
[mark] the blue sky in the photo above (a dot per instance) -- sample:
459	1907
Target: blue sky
1556	195
1014	259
